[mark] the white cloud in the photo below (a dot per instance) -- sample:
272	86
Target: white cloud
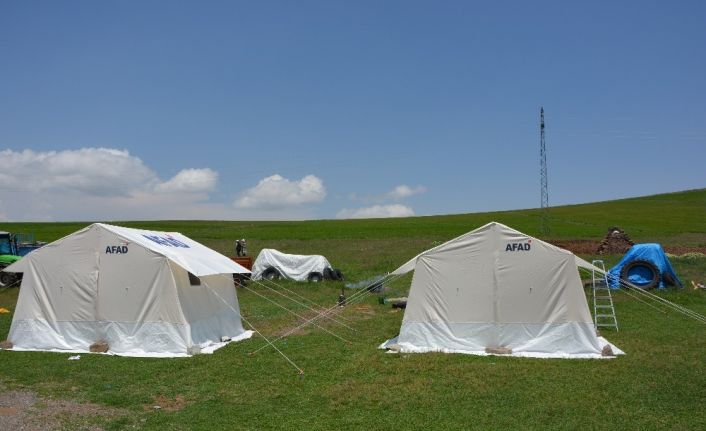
112	184
94	171
277	192
404	191
109	184
376	211
399	193
100	184
91	171
382	210
190	180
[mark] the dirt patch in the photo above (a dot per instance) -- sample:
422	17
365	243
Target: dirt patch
303	325
578	246
677	250
289	331
358	312
331	320
589	247
26	411
365	309
167	404
13	410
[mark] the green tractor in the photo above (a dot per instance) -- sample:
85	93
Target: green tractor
12	248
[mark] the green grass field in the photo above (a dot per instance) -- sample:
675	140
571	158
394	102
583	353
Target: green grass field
659	384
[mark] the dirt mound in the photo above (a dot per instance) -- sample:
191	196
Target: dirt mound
616	241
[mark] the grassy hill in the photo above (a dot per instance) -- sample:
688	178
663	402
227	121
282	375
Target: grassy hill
659	384
671	216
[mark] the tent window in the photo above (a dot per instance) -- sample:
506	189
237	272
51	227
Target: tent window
194	280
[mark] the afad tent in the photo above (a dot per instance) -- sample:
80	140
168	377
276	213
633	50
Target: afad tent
496	290
144	293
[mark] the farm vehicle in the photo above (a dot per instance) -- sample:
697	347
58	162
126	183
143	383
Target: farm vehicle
12	248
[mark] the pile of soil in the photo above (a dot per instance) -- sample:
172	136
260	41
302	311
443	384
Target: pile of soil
616	241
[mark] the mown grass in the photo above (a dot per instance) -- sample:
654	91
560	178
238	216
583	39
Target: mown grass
659	384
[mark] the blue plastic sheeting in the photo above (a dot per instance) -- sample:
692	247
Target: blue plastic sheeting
640	276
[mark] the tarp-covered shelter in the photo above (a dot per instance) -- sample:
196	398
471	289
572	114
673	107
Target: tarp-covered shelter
142	292
297	267
497	290
645	266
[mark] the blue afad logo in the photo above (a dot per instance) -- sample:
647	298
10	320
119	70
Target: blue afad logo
518	246
116	249
166	241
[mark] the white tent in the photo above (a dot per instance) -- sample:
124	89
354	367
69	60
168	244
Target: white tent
497	290
142	292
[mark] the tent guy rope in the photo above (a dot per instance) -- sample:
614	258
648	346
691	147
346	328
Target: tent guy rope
356	298
627	286
296	314
316	306
301	371
302	304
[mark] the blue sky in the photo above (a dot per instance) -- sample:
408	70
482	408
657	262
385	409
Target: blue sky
325	109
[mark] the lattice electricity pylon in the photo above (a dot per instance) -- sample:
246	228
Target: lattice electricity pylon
544	215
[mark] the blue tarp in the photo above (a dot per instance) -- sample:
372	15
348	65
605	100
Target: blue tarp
650	252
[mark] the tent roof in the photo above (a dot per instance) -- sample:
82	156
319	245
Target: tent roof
187	253
410	264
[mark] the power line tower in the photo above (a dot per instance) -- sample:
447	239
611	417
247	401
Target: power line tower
544	215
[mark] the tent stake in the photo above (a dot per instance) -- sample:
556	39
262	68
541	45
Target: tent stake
342	298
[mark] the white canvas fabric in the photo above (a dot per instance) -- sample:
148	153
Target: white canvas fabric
130	288
493	288
293	266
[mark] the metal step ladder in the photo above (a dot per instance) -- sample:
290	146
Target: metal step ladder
603	309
